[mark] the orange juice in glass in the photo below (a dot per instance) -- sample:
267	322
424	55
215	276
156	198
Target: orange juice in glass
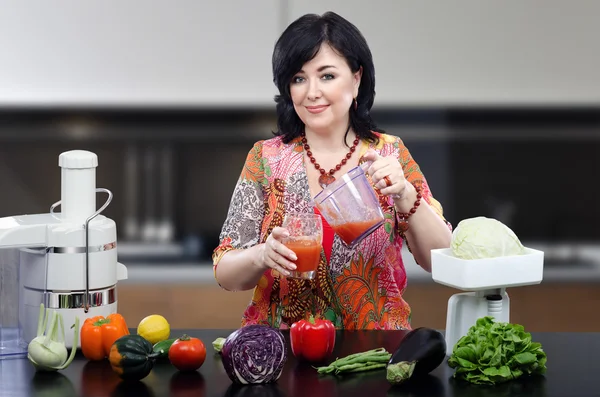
306	238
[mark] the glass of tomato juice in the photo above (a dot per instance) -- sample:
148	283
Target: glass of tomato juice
306	240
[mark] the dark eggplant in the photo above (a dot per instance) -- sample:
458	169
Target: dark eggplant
421	351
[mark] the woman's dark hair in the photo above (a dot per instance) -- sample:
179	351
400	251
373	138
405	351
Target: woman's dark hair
300	43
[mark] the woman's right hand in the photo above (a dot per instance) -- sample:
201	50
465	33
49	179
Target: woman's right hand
275	255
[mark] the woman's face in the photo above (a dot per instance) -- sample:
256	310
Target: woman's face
324	90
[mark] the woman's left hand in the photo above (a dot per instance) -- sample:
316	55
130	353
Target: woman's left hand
387	175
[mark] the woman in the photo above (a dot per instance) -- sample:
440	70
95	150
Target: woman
323	68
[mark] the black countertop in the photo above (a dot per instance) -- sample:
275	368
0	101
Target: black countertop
573	370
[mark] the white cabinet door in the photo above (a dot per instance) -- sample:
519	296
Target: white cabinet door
472	52
137	52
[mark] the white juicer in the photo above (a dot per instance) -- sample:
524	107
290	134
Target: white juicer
66	260
486	281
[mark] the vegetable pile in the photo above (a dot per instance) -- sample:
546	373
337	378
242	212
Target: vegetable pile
495	352
132	357
254	354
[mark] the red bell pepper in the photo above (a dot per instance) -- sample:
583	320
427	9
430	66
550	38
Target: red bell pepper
313	339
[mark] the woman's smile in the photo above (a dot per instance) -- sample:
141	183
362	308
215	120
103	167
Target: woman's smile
316	109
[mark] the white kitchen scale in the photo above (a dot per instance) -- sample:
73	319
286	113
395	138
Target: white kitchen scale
485	281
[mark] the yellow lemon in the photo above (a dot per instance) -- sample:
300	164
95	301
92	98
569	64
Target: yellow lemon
154	328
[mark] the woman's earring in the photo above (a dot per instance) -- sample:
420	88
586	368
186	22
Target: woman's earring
355	104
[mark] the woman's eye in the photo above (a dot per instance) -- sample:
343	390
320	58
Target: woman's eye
298	79
328	77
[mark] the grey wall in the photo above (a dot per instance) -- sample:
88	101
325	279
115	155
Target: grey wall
217	54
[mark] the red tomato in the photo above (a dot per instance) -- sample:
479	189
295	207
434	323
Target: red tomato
187	353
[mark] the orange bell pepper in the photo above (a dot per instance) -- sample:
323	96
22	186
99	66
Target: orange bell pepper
99	333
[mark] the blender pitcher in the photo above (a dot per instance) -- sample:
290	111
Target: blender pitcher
350	206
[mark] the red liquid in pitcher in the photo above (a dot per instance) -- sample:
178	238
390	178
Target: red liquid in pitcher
308	253
351	230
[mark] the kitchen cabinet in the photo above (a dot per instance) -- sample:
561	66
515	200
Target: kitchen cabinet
136	53
556	307
473	53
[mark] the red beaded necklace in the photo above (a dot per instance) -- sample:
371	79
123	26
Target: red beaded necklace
327	178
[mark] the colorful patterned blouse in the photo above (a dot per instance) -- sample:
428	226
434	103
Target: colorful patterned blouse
358	288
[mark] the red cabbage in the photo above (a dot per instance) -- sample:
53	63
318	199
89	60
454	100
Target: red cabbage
254	354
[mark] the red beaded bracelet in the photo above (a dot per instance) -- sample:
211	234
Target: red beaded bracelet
403	222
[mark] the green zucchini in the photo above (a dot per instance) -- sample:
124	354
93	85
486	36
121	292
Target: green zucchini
162	348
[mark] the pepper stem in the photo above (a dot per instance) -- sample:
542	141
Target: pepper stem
101	322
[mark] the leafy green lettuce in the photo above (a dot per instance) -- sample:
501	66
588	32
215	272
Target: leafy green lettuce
495	352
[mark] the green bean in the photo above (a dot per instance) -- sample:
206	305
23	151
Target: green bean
348	367
352	367
326	370
358	356
358	362
368	367
364	359
379	350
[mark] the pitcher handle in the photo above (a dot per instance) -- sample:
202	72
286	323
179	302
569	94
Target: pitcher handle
365	166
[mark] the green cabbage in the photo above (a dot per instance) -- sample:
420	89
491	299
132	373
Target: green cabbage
481	237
